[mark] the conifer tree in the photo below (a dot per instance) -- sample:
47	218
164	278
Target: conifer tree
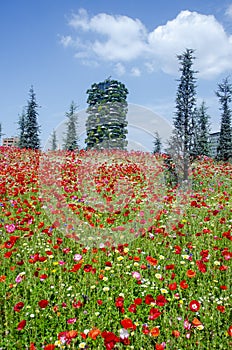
157	143
71	137
53	141
1	131
28	125
224	93
202	131
184	121
22	136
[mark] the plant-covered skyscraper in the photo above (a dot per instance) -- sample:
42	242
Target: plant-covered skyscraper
106	125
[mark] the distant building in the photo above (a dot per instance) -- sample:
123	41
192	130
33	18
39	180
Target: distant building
10	141
214	142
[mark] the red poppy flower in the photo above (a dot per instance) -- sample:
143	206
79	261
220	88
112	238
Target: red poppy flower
152	261
170	267
21	325
43	303
75	268
2	278
201	266
7	255
149	299
132	308
190	273
110	339
155	332
154	313
230	331
49	347
159	347
127	323
175	333
194	305
172	286
9	244
94	333
221	308
178	249
18	306
183	284
223	287
119	302
71	334
43	277
161	300
138	301
145	329
88	268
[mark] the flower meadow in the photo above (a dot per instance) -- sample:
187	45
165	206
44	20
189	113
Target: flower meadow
98	250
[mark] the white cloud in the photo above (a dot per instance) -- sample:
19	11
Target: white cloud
122	39
135	72
66	40
229	11
119	69
192	30
116	37
150	67
80	20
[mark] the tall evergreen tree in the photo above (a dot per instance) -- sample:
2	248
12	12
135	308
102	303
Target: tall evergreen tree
224	93
202	131
71	137
184	120
106	123
29	128
157	143
54	140
22	131
1	131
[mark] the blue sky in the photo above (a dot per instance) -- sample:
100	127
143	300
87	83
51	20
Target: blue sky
61	47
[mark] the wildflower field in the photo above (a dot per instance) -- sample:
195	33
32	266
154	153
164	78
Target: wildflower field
100	251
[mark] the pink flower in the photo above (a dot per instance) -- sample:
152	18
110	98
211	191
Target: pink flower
136	275
20	277
187	324
61	262
77	257
71	320
10	228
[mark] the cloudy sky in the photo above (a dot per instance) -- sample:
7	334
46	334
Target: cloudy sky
61	47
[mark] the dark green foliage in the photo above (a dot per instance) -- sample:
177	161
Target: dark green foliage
184	120
53	141
106	123
22	136
157	143
224	93
28	125
71	137
170	172
1	131
202	130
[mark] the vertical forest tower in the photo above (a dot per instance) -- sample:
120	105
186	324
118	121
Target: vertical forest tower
106	123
